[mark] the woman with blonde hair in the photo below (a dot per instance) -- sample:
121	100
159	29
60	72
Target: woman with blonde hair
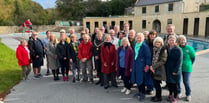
52	56
124	64
158	67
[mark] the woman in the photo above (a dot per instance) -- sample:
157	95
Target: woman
108	57
24	59
62	51
124	64
141	64
150	85
158	67
188	60
96	51
173	68
52	56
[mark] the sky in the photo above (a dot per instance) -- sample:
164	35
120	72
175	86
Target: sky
46	3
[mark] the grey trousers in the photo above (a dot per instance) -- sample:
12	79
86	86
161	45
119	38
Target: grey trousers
86	66
26	71
110	77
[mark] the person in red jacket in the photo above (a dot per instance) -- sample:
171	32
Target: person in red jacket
27	23
85	56
108	57
24	59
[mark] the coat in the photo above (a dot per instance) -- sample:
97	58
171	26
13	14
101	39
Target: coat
173	65
108	56
128	60
51	52
85	50
32	48
160	64
63	51
22	56
143	59
73	53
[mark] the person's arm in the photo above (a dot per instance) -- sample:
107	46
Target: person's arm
79	52
90	53
192	54
18	55
179	61
49	50
58	51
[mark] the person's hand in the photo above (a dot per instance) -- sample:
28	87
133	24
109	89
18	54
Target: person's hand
37	56
71	61
174	73
146	68
65	58
112	63
83	60
131	70
55	56
96	57
105	64
152	70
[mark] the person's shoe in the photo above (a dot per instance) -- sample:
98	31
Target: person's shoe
188	98
97	83
101	84
106	87
179	95
63	78
136	95
91	80
123	90
156	99
84	80
36	77
175	100
141	97
47	73
39	75
149	92
165	87
66	78
78	79
170	98
73	80
128	92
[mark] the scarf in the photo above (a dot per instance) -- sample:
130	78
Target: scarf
107	44
137	48
156	54
98	43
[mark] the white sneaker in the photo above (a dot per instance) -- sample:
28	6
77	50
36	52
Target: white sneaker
123	90
179	95
128	92
188	98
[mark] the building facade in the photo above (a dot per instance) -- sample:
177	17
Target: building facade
157	14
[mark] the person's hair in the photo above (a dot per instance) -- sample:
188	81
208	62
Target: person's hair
51	36
171	25
62	30
146	32
122	32
111	30
125	24
116	26
133	31
99	32
158	39
123	40
172	36
72	36
181	37
140	34
107	36
22	40
152	32
47	31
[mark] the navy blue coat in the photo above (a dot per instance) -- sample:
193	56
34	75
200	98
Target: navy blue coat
173	65
143	59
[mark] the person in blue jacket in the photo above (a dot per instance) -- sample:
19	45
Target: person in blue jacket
173	68
141	64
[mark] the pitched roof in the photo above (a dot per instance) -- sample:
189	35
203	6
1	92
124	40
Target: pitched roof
151	2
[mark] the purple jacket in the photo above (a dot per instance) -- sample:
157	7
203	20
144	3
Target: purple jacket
128	59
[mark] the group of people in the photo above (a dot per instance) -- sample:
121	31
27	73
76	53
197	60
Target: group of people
144	59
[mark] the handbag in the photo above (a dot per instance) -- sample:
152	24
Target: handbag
158	72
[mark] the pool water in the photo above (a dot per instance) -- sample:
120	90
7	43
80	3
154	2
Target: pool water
198	45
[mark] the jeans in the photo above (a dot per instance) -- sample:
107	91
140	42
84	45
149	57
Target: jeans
126	79
186	81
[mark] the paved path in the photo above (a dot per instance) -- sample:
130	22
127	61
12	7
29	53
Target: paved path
46	90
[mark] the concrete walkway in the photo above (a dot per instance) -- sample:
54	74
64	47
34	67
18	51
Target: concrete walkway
46	90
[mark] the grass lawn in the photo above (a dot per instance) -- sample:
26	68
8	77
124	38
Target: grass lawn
10	72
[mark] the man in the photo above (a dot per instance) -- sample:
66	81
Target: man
87	30
36	48
131	38
126	27
95	33
27	23
170	31
72	31
114	40
85	56
116	29
102	29
146	33
45	43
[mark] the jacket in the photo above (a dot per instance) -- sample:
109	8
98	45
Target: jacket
22	56
85	50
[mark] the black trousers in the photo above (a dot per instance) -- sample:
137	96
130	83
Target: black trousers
173	89
158	88
110	77
64	67
141	87
98	66
126	79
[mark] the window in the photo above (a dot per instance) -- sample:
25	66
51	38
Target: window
96	24
143	10
169	21
130	23
157	9
143	24
170	7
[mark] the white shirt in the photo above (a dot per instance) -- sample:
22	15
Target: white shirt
115	42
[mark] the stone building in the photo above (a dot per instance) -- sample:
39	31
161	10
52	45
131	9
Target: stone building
191	17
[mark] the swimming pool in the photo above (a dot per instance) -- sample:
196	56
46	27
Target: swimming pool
198	45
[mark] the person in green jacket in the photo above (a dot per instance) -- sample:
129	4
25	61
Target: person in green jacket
188	60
